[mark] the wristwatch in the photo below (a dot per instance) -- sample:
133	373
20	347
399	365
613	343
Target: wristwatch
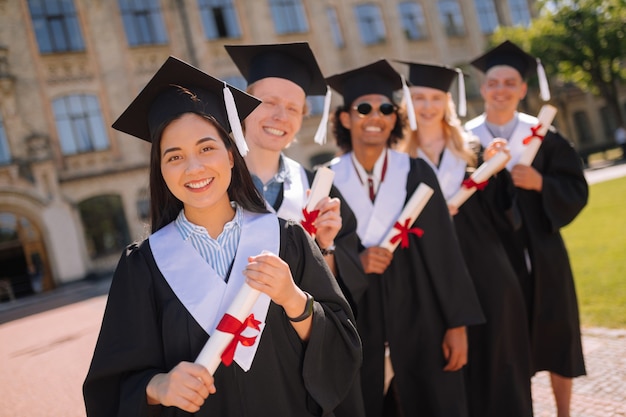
328	251
308	309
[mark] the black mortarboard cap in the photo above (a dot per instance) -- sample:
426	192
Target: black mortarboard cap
376	78
292	61
178	88
507	53
433	76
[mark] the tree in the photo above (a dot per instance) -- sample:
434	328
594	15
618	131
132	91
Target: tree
579	41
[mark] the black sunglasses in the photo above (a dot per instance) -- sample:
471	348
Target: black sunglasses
365	108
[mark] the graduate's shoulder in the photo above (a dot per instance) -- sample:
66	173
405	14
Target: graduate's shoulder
475	122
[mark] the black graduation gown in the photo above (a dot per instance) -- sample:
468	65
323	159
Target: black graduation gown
498	370
424	291
146	330
350	274
549	288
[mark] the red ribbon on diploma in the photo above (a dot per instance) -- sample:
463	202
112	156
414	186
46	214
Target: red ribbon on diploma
534	134
403	236
470	183
230	324
309	219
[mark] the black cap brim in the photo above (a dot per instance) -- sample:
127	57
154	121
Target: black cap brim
292	61
509	54
376	78
178	88
432	76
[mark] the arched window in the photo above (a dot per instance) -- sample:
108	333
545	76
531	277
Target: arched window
104	222
79	124
5	152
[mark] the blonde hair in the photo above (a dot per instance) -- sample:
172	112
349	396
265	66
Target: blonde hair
456	138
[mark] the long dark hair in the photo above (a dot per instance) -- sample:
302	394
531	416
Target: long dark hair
344	139
164	206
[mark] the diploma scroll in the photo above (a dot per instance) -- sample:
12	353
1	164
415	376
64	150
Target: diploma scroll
321	186
211	354
482	174
410	212
533	142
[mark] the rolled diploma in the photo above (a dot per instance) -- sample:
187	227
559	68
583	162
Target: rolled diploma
482	174
545	116
411	210
211	354
320	188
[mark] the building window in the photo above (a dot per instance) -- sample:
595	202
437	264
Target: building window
451	17
5	152
143	22
370	21
105	226
219	18
520	14
236	81
143	205
289	16
79	124
413	22
335	27
56	26
583	127
315	105
487	16
609	122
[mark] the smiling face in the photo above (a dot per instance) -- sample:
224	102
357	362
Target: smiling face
274	124
430	105
196	166
372	129
502	91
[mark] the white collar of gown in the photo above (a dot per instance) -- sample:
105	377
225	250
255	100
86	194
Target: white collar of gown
199	287
450	172
374	220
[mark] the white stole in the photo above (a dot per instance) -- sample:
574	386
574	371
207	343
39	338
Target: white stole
373	219
199	287
478	127
294	192
450	173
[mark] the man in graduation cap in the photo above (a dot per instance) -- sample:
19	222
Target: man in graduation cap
550	193
281	76
420	297
296	354
498	368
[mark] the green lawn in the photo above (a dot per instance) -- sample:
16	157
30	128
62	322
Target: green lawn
596	242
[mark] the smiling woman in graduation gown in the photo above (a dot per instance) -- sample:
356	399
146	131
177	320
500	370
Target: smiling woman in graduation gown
167	297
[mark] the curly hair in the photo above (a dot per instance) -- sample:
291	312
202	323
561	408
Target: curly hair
344	138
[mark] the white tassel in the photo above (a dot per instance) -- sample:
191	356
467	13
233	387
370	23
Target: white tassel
462	100
320	135
544	89
409	105
233	120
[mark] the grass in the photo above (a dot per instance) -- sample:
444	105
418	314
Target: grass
596	242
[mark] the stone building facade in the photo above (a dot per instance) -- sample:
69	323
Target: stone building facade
73	191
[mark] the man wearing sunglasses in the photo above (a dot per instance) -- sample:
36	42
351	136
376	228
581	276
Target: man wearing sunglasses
420	297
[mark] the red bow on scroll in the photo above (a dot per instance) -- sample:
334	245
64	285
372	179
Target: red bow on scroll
403	236
230	324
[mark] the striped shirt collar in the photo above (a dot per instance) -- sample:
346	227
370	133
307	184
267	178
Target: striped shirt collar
187	228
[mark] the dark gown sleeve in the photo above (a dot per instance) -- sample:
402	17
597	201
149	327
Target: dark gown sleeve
350	274
128	351
565	191
333	352
450	279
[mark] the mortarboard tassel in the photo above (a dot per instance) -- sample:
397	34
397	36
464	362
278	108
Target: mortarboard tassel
544	89
462	112
233	120
320	135
409	104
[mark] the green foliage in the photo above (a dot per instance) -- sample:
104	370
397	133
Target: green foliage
596	242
